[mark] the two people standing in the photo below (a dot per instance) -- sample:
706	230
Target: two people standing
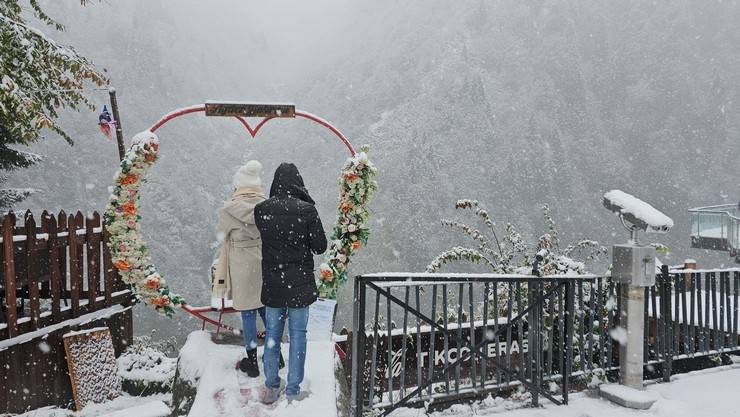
268	248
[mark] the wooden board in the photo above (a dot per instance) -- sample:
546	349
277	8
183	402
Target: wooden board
91	360
249	109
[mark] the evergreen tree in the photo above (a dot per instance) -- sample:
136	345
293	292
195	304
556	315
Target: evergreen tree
37	78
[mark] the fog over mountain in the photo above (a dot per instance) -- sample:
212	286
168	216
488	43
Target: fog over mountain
516	104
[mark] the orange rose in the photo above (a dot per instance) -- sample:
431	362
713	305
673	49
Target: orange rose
152	283
356	244
345	206
160	301
129	208
327	275
350	176
122	265
129	179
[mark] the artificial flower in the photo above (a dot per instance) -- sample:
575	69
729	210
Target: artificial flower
160	301
129	179
122	265
129	208
152	282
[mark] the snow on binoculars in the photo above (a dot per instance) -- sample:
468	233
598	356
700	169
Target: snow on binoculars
640	215
633	263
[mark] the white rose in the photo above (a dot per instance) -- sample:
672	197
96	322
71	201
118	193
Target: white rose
352	228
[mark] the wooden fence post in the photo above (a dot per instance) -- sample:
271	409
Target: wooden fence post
62	249
74	266
93	258
9	271
45	285
108	273
31	271
55	274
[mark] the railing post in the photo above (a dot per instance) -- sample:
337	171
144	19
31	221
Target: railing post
568	343
667	314
533	334
358	348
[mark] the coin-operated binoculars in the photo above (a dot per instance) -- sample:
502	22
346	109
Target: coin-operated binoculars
633	265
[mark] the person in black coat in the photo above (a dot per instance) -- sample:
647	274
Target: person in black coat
292	234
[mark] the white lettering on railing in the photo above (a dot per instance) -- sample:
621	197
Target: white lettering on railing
453	356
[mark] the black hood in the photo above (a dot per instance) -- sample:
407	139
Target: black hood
289	183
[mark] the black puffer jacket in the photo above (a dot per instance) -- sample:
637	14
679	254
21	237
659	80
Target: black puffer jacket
291	234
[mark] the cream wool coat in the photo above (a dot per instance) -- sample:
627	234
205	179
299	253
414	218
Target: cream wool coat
238	274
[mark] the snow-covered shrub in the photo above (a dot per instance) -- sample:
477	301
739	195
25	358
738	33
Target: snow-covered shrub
511	254
145	367
595	378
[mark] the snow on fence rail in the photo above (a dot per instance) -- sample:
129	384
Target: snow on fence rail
54	270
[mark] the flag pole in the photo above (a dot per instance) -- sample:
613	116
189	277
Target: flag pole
117	118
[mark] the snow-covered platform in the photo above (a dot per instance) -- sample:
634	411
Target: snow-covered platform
224	391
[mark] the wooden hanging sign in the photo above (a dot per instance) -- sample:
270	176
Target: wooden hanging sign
240	109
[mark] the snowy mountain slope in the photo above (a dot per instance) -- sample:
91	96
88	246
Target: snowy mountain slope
515	104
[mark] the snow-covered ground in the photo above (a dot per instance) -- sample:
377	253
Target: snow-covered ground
152	406
225	392
707	393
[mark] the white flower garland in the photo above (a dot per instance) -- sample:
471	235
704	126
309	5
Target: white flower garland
128	250
357	185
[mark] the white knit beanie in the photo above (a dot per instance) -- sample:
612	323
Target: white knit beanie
248	175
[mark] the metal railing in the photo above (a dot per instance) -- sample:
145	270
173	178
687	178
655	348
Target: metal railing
691	313
426	338
476	336
716	227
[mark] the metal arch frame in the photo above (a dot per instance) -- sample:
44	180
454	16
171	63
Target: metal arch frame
199	312
254	130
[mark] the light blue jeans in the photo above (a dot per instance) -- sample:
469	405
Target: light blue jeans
249	326
297	322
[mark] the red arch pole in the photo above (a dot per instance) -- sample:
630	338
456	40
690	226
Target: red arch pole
177	113
329	126
253	131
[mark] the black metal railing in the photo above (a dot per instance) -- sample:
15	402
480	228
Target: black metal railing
691	313
425	338
458	335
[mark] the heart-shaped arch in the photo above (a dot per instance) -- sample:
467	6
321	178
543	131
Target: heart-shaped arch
130	254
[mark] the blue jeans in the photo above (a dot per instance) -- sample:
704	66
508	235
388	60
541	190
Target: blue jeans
297	322
249	326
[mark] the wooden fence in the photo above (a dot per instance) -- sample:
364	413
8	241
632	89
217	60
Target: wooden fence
56	276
